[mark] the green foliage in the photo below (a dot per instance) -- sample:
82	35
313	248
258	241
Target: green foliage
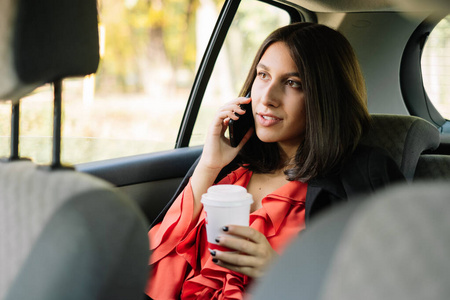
153	32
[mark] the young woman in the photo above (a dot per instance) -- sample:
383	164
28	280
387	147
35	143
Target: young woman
309	105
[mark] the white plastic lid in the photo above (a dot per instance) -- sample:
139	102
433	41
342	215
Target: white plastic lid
227	195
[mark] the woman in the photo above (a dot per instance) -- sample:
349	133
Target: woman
309	104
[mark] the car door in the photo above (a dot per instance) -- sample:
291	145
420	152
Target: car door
152	178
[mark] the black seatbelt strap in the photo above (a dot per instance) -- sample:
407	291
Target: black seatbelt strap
180	188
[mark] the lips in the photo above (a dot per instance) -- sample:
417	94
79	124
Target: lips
267	119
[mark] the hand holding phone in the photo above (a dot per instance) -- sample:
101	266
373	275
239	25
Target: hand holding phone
238	128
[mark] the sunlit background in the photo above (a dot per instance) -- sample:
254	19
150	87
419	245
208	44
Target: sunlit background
436	67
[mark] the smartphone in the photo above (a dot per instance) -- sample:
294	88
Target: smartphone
238	128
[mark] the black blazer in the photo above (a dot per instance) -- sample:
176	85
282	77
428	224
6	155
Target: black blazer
367	170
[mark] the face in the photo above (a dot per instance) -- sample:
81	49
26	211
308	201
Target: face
278	101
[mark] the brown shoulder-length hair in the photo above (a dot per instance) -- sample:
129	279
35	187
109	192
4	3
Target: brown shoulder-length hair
335	100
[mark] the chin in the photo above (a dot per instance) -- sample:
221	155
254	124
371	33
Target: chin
267	138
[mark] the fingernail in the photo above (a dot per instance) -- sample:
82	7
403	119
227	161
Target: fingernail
225	228
213	253
215	260
217	240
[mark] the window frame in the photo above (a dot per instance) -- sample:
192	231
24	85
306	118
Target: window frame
411	81
208	61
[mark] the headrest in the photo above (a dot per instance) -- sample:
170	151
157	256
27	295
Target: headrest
42	41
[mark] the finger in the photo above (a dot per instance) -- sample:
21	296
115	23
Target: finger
244	264
238	101
226	121
244	100
234	109
245	232
248	271
239	244
236	258
224	114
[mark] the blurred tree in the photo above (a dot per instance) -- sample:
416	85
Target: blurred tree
148	44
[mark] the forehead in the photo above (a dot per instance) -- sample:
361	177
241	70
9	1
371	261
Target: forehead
277	56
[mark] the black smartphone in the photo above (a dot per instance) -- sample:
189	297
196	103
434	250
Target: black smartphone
238	128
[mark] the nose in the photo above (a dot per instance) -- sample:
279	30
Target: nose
271	95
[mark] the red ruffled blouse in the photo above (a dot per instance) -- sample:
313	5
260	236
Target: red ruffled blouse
182	266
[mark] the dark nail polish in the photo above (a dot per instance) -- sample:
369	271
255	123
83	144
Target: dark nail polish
225	228
213	253
217	240
215	260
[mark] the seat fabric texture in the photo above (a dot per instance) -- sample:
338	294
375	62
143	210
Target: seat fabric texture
432	167
395	245
403	137
67	235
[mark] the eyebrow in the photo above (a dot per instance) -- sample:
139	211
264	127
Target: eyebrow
263	66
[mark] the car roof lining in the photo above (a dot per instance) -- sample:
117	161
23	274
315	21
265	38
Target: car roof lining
369	5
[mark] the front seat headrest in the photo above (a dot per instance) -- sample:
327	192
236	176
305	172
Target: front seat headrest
42	41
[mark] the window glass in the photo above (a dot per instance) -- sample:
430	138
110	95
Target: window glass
5	129
253	22
134	104
436	67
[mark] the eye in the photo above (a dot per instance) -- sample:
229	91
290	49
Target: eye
262	75
294	84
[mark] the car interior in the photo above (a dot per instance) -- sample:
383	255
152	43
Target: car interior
79	231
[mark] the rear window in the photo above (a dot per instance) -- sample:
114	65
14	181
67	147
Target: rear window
436	67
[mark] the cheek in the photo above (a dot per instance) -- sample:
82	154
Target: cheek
254	93
300	119
298	109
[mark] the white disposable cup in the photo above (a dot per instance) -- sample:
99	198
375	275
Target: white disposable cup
225	204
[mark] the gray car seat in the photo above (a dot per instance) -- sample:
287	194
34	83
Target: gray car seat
404	138
432	166
63	234
66	235
395	245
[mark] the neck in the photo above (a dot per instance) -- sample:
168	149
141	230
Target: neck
287	152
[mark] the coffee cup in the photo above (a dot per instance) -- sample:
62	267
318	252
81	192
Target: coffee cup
225	204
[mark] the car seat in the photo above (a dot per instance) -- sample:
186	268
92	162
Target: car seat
403	137
63	234
432	167
394	245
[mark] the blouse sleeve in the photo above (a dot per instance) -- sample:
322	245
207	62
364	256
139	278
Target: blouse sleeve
177	223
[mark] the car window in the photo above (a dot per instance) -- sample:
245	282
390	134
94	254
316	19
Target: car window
134	104
245	35
436	67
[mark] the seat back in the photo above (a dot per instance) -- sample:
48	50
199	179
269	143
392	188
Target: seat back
67	235
393	246
432	166
63	234
403	137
